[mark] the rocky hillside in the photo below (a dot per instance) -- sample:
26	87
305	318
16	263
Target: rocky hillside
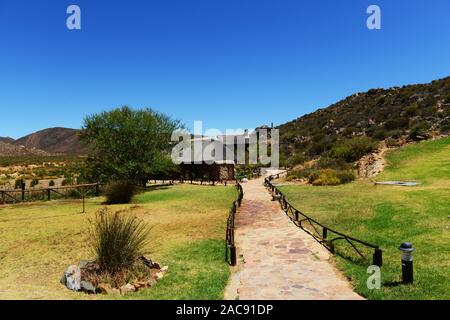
9	150
54	141
395	115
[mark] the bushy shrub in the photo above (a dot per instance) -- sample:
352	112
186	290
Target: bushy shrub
412	110
34	182
324	177
51	183
397	123
118	239
247	171
445	126
379	134
18	183
295	159
345	176
353	149
395	134
419	131
119	192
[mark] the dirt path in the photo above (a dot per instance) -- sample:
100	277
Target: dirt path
277	260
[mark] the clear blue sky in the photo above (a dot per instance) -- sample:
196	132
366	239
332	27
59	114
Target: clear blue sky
230	63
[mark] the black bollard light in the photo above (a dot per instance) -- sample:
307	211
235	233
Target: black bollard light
407	262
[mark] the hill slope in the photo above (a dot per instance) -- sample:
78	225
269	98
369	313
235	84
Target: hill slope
414	112
54	140
9	150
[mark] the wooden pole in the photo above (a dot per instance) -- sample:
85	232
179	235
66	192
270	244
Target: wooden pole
23	191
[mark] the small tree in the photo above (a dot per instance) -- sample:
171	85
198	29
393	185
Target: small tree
129	144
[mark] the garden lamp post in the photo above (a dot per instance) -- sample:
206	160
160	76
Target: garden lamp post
407	249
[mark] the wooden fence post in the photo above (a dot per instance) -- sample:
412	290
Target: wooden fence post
23	191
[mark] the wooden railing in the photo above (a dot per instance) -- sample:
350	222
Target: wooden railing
34	194
316	229
230	247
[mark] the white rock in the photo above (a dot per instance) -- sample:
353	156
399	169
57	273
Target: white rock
72	278
164	269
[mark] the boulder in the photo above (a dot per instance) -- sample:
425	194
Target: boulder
164	269
151	282
71	278
127	288
87	286
105	288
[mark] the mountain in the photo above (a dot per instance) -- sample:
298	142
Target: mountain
6	139
395	115
54	141
9	150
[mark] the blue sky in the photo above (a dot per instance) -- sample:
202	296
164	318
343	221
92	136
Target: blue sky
232	64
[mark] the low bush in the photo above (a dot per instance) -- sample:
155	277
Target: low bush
34	182
120	192
324	177
419	131
353	149
18	183
118	240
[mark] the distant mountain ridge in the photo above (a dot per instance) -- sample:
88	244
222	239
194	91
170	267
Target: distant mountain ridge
49	141
54	140
6	139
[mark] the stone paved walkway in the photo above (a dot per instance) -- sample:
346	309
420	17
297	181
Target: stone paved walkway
276	259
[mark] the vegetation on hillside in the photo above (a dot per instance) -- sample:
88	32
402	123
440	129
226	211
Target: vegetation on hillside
409	113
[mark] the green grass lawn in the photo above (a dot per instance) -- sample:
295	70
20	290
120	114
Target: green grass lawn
390	215
39	240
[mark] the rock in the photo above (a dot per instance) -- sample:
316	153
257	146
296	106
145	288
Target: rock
159	276
140	284
105	288
72	278
115	292
127	288
164	269
147	262
85	263
87	286
151	282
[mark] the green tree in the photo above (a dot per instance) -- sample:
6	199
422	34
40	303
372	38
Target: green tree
129	144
